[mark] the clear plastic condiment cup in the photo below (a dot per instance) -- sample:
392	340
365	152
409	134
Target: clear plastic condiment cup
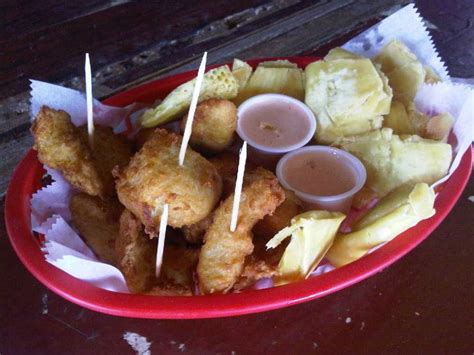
265	155
340	202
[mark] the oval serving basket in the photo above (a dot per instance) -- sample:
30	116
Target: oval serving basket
26	180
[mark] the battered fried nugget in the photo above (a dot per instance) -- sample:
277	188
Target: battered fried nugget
254	269
63	146
137	261
109	150
59	147
226	165
98	223
222	257
154	178
272	224
136	254
194	233
213	125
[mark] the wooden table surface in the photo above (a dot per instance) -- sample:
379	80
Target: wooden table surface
424	303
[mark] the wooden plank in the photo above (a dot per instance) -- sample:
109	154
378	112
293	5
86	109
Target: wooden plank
290	30
56	53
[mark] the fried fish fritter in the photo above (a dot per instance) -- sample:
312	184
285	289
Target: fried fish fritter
272	224
154	178
109	150
223	254
98	223
64	147
136	255
59	147
213	125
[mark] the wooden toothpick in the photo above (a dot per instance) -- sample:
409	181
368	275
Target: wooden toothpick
238	187
192	109
161	240
89	101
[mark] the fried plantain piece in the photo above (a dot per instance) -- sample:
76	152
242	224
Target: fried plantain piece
98	223
154	178
213	125
222	256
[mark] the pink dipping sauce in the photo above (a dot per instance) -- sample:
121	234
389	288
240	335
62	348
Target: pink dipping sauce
319	173
274	124
322	177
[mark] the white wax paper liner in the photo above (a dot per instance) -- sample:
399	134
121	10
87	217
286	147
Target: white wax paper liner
50	212
407	26
74	103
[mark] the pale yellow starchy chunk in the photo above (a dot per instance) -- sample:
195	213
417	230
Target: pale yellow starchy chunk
312	234
408	120
405	73
431	77
340	53
218	83
399	120
439	126
348	96
392	160
281	80
242	72
279	63
402	209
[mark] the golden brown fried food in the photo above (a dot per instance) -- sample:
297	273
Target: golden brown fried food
154	178
142	136
213	125
254	269
169	289
98	223
272	224
226	165
222	257
65	147
179	263
108	151
137	261
59	147
136	254
194	233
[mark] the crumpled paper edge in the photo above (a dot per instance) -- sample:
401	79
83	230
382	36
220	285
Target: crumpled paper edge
406	25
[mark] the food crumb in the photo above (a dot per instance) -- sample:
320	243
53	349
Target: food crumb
138	343
182	347
44	300
348	320
471	198
362	325
315	345
417	314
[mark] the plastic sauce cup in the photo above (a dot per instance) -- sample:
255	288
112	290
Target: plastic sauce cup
324	178
272	125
